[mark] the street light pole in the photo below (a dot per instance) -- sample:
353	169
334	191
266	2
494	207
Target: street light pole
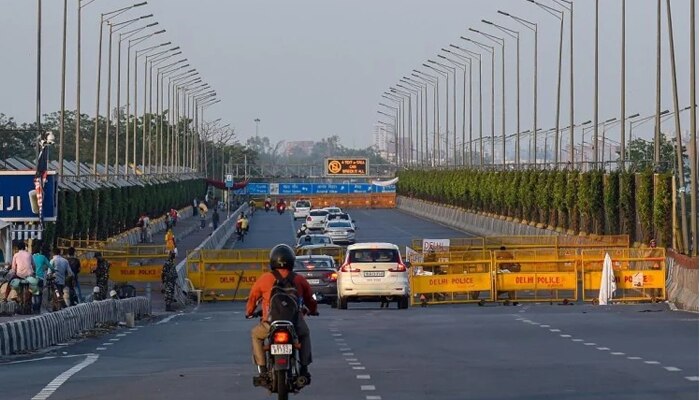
447	110
481	95
693	145
454	112
63	91
657	128
464	67
433	81
492	51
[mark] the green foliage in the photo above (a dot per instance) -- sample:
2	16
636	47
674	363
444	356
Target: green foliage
596	202
645	202
612	203
662	209
559	198
571	199
627	209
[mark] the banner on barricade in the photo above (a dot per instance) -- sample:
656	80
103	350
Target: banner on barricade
452	283
536	281
413	256
436	245
143	273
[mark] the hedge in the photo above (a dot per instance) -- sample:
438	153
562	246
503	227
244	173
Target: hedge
107	211
635	204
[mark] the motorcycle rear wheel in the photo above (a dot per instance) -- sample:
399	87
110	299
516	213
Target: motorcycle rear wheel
282	386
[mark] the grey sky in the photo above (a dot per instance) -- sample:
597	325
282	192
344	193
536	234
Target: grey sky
312	68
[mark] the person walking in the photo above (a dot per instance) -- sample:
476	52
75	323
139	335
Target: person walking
41	265
74	262
170	243
202	215
169	278
60	269
215	219
101	277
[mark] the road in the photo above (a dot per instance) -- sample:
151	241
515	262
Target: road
455	352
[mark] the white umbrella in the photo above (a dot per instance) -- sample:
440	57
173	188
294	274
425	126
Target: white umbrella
385	183
607	282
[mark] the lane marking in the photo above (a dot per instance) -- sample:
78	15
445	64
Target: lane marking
603	348
345	349
363	377
589	344
358	367
167	319
114	340
672	369
545	326
49	389
26	361
577	340
373	398
354	363
337	334
617	353
107	344
121	334
367	387
349	354
101	348
634	358
555	330
652	362
566	336
692	378
351	359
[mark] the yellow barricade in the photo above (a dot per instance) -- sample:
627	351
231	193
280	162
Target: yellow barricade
536	275
226	274
531	242
640	274
445	281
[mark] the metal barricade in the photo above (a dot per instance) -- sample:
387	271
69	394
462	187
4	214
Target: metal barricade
536	275
226	274
460	277
640	274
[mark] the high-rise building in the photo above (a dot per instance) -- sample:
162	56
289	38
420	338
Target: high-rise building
384	142
299	146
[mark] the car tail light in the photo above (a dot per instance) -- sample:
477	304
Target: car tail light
348	268
280	337
399	268
332	276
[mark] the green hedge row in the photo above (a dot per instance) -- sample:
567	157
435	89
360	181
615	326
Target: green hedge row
100	213
638	205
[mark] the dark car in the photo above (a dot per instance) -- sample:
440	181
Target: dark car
322	275
313	239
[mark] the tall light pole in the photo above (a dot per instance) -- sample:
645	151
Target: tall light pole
502	42
417	90
693	145
63	91
453	70
657	127
257	126
104	18
434	82
399	123
481	95
447	112
623	78
407	149
533	27
424	106
38	76
491	50
160	102
466	64
157	59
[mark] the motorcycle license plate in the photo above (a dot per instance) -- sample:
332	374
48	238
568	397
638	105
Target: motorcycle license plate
278	349
314	281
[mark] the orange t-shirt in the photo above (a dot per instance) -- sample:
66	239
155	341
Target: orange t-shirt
263	287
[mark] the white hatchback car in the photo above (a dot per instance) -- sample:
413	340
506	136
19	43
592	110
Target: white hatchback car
373	272
301	208
316	219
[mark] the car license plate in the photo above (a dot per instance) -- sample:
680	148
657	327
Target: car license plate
373	274
314	281
280	349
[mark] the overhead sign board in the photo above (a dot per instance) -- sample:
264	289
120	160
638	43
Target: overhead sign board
229	181
313	188
16	191
347	166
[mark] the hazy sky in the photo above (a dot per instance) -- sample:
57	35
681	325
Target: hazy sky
313	68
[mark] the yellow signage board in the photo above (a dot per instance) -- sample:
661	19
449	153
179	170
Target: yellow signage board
452	283
536	281
144	273
628	279
347	166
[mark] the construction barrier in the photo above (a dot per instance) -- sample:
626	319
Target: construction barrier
226	274
640	274
536	275
459	277
528	242
370	200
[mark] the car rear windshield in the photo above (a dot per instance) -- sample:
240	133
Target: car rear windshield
339	216
303	203
339	224
318	213
307	240
312	264
374	255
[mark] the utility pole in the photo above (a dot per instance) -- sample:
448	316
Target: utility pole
693	145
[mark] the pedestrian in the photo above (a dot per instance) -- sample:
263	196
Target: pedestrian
173	216
74	262
169	278
145	225
60	269
101	277
170	242
22	267
215	219
41	265
202	216
195	203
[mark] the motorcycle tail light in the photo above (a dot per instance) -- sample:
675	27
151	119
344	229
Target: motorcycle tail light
280	337
333	276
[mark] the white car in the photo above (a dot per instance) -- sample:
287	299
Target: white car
340	231
316	219
301	208
372	272
333	210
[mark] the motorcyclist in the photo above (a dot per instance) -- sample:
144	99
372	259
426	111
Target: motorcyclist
251	204
268	203
281	259
302	231
281	205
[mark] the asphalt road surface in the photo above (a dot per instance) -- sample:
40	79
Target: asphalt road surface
535	351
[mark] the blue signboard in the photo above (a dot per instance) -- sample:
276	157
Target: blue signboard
303	189
16	187
357	188
384	189
258	188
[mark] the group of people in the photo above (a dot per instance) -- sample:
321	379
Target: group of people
60	273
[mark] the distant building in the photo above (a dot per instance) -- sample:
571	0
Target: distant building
384	142
299	146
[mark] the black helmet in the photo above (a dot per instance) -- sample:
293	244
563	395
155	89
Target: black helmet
282	257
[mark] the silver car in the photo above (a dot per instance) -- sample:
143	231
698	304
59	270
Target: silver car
316	219
340	231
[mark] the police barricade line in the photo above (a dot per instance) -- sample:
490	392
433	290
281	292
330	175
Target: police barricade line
444	282
525	242
640	274
140	273
228	281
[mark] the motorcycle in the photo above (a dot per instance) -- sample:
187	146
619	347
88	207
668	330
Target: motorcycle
282	359
267	206
280	208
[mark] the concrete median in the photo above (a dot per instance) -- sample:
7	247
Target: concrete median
682	282
46	330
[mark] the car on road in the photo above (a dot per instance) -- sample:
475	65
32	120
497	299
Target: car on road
373	272
301	209
340	231
321	273
313	239
333	210
316	219
333	250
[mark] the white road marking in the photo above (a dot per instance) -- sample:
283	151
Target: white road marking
566	336
577	340
351	359
167	319
358	367
26	361
544	326
692	378
672	369
345	349
589	344
634	358
107	344
367	387
363	377
101	348
133	329
617	353
555	330
336	334
603	348
114	340
49	389
121	334
354	363
373	398
652	362
348	354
